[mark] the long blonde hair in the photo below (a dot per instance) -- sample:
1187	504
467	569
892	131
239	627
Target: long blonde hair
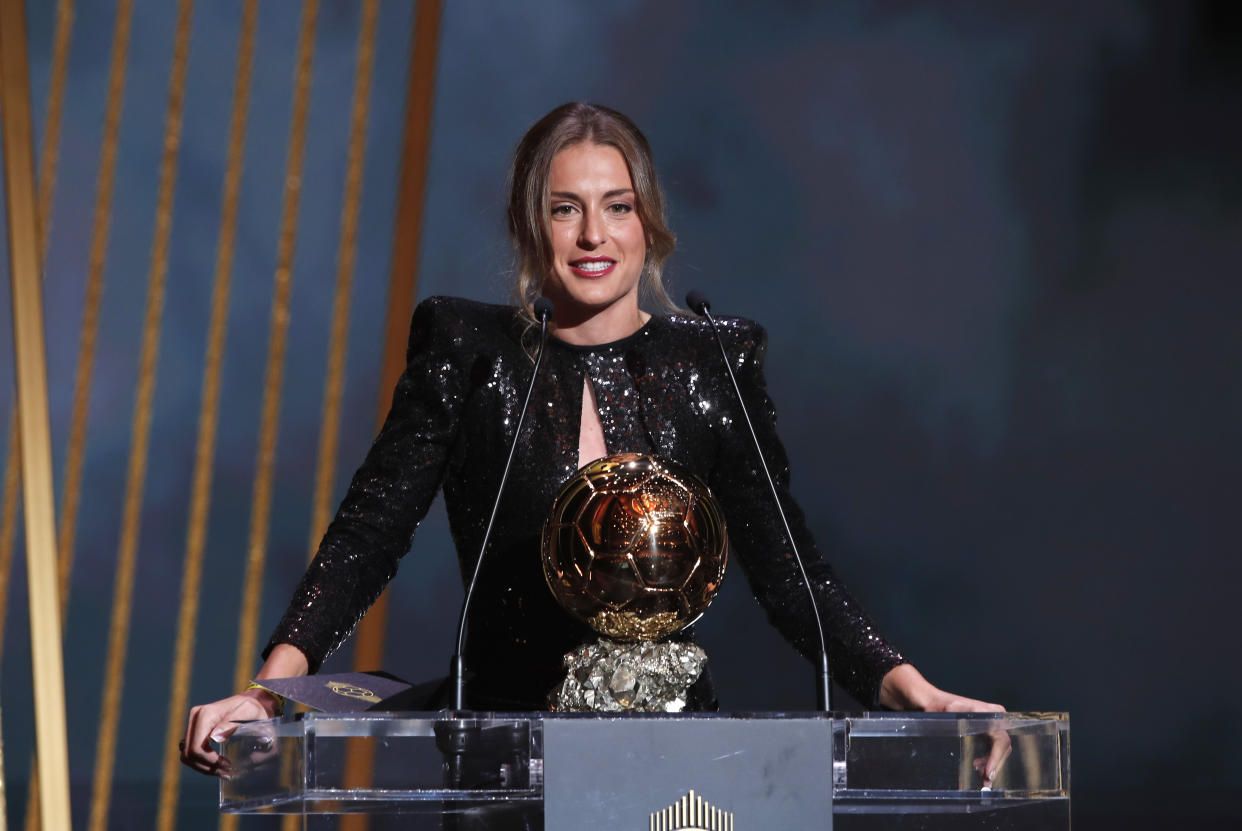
565	126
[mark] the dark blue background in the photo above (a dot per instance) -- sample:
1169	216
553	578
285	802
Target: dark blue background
997	250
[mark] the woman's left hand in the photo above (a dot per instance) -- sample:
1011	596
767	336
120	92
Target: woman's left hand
905	688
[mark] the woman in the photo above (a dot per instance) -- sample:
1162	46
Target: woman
587	220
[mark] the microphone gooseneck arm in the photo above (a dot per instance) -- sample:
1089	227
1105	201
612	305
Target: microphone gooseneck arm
699	304
457	668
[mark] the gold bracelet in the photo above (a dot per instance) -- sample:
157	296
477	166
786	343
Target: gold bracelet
280	699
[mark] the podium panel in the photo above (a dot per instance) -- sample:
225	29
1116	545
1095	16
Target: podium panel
756	772
706	771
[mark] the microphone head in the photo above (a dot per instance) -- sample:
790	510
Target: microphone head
696	301
543	309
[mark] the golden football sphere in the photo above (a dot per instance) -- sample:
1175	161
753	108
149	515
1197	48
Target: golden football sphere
635	547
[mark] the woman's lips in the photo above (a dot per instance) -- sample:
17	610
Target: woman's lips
591	267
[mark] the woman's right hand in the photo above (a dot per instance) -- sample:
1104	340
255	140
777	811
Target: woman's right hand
215	722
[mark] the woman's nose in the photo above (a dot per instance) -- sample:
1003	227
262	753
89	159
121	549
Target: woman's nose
592	230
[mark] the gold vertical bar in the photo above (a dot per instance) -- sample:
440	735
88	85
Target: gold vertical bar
8	518
50	152
208	419
7	512
261	498
122	597
47	178
8	531
346	248
403	278
72	485
338	342
402	288
100	231
274	372
4	806
36	451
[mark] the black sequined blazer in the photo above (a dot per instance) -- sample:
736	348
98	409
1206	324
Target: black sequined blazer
661	390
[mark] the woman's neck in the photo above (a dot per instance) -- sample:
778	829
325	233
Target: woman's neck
603	326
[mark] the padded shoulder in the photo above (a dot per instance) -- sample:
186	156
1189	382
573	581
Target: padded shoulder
744	339
452	322
460	310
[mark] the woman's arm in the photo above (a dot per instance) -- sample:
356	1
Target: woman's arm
862	659
390	493
859	655
372	530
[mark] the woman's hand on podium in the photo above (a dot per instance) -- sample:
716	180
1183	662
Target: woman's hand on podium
216	721
905	688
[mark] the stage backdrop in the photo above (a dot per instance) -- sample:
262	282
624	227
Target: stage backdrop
995	246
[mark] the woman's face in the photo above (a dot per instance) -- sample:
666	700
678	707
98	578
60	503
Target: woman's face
598	243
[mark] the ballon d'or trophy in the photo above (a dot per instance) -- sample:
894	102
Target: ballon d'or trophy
635	547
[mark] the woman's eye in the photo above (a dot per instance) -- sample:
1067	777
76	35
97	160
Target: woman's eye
621	208
562	210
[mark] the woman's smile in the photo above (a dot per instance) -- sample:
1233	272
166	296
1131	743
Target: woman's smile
592	266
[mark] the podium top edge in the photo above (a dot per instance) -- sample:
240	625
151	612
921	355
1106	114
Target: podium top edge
537	715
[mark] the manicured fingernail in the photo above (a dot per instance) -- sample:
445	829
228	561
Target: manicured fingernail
217	737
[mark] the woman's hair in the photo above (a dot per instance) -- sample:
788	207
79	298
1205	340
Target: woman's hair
567	125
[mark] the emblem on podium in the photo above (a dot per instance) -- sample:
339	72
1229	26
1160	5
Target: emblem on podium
691	813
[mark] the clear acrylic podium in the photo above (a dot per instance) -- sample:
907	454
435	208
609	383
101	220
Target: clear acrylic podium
708	771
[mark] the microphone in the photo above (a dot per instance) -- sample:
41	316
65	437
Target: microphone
696	301
457	668
543	313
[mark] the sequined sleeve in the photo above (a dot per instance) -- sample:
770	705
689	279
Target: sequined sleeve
388	497
859	656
